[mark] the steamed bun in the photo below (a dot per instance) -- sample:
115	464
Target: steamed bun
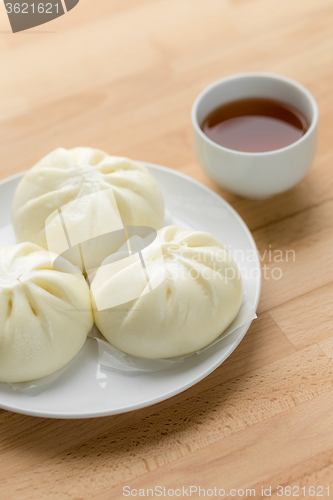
65	176
199	297
45	315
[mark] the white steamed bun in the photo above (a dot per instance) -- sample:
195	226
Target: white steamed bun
196	301
65	176
45	315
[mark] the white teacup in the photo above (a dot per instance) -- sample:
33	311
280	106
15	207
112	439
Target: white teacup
255	175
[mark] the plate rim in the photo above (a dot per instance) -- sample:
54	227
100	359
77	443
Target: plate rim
196	379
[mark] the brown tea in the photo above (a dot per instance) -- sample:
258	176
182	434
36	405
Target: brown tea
255	125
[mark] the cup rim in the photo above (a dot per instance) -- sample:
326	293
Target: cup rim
272	76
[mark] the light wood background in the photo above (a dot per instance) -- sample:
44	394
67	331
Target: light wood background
122	75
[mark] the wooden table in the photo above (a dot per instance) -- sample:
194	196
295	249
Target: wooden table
122	75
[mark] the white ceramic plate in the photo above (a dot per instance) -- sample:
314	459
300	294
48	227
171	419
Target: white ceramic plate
83	390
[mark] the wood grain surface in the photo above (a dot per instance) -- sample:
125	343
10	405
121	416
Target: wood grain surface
121	75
